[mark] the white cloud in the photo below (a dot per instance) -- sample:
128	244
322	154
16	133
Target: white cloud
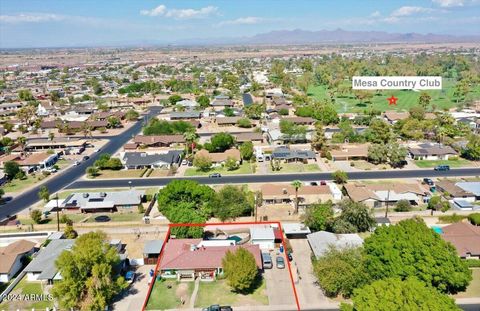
249	20
375	14
455	3
159	10
31	18
162	10
410	10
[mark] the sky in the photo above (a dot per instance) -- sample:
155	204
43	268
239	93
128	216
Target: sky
72	23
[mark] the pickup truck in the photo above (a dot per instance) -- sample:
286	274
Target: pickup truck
218	308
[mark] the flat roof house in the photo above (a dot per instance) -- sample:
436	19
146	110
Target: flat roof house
139	160
321	241
348	152
455	191
187	259
290	155
263	236
92	202
12	256
185	115
158	140
220	157
42	267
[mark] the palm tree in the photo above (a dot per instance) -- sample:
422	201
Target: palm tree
190	137
296	184
22	141
51	136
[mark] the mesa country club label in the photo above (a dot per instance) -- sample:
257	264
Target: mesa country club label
397	83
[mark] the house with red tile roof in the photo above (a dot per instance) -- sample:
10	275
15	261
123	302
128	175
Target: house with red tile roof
187	259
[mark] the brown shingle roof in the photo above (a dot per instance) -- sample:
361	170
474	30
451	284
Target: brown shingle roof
156	139
464	236
221	156
9	254
248	136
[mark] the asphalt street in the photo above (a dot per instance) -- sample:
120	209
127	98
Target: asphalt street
242	179
65	177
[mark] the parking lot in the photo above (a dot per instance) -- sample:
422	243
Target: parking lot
308	293
279	285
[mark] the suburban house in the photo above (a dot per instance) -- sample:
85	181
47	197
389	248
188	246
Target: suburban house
187	259
454	191
378	195
393	117
221	102
254	137
227	121
66	145
218	158
291	155
470	186
91	202
151	251
348	152
321	241
158	140
185	115
42	267
431	152
31	162
300	120
140	160
285	194
12	257
263	236
465	237
186	103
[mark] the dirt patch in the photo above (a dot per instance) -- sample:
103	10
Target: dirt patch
135	242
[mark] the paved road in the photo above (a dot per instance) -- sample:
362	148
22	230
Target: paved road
65	177
242	179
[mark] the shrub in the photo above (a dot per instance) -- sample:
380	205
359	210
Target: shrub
472	263
36	216
451	218
403	206
65	220
474	219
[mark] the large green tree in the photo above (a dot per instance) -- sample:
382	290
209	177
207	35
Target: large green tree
317	216
410	248
220	142
472	150
340	271
357	214
89	280
240	270
393	294
231	202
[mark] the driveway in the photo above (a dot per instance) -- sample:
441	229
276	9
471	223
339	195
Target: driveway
136	293
279	286
308	293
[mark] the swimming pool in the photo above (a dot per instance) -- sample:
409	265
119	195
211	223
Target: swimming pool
437	229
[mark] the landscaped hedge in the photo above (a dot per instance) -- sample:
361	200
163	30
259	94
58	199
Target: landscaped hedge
474	219
472	263
448	219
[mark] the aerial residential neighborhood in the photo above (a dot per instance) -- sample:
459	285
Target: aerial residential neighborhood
204	155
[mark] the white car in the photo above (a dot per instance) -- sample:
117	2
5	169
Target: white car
76	163
96	150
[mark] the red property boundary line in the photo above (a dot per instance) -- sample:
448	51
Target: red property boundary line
220	224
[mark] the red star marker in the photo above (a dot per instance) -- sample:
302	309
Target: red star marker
392	100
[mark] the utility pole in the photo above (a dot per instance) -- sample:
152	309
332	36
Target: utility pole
388	199
58	217
256	206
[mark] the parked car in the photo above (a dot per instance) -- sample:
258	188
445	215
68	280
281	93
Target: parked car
442	168
428	181
97	150
280	262
313	183
215	175
51	170
267	261
76	163
130	276
323	183
85	158
184	162
290	257
218	308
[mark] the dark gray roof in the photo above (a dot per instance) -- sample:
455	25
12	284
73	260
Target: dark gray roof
286	153
153	247
432	149
247	99
185	114
44	262
143	159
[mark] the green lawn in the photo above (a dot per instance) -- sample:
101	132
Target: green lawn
295	168
120	174
17	185
134	216
218	292
473	290
27	288
452	163
162	297
406	99
245	168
